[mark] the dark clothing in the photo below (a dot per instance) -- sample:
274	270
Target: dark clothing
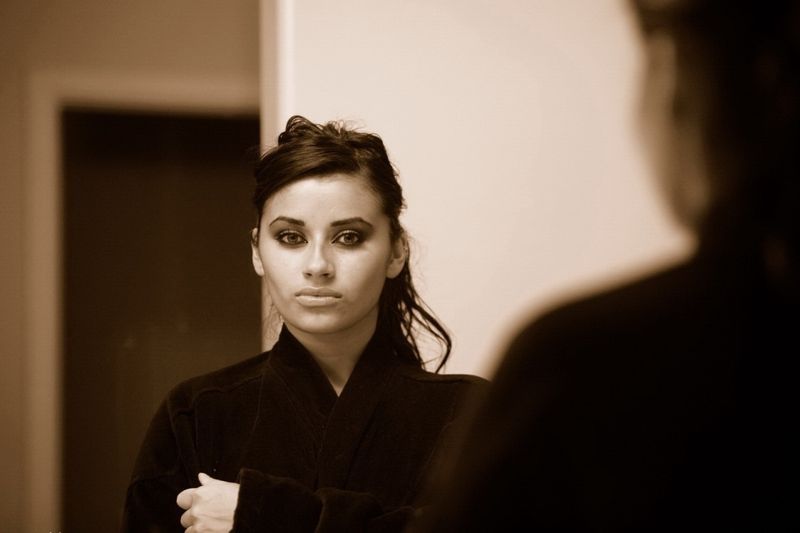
306	459
666	404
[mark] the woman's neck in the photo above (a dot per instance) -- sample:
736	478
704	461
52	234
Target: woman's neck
337	353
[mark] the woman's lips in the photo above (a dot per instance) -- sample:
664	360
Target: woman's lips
317	297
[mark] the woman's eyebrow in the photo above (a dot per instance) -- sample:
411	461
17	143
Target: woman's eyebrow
290	220
352	220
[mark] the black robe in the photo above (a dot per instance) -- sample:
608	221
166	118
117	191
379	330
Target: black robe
306	459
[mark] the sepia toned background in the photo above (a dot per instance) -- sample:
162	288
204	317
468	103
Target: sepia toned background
512	124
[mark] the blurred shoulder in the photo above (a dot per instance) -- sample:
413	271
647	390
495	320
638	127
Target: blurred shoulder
614	321
656	292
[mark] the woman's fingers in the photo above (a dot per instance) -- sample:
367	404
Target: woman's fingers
187	519
185	498
209	507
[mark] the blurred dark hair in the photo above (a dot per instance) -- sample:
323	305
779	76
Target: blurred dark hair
738	69
306	149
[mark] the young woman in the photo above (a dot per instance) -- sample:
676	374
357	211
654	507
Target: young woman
336	427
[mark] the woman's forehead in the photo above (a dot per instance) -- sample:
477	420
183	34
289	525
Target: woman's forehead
327	195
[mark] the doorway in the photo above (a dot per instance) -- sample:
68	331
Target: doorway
158	285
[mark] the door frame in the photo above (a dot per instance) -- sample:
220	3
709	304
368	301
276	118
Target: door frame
49	92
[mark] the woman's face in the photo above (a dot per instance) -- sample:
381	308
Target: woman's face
324	250
672	140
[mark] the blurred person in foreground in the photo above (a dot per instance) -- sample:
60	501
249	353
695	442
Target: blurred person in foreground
670	402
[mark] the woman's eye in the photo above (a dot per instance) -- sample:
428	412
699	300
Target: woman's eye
291	238
348	238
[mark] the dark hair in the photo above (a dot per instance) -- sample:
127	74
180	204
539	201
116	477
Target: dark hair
738	68
307	149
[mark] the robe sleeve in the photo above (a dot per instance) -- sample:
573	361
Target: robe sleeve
271	503
159	475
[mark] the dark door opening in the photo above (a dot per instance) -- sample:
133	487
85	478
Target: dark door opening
158	284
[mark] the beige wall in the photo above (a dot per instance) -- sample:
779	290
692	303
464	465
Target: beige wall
512	125
206	40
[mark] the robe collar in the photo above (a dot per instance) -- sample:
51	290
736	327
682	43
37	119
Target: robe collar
343	419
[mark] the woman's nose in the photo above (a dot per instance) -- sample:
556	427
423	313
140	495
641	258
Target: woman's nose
318	264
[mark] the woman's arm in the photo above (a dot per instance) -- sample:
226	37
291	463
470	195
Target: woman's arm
261	502
268	503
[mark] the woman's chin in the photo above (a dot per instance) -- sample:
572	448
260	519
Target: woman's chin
326	324
318	325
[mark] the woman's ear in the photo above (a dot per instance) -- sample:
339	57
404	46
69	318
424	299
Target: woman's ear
398	258
257	265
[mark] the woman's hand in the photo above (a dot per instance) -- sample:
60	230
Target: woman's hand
210	506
